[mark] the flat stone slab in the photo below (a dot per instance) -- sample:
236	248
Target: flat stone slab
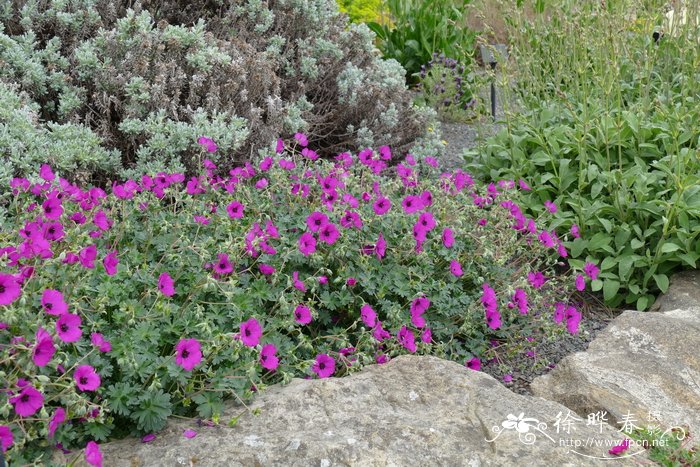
644	367
414	410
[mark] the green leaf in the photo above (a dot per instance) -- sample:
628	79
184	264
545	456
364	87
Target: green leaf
624	266
610	288
662	282
596	285
636	243
669	247
642	303
689	258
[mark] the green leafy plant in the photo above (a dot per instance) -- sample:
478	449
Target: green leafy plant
169	294
670	448
421	28
606	130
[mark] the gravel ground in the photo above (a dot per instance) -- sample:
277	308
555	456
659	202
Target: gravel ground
544	355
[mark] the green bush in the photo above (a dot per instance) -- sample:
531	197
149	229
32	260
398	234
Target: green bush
107	255
420	28
608	130
148	81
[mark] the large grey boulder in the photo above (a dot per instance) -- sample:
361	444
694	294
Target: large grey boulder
411	411
644	367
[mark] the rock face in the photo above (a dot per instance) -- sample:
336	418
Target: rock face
411	411
644	364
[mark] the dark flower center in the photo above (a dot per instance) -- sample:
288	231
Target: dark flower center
2	289
185	353
48	209
321	366
64	327
24	398
48	306
247	332
83	380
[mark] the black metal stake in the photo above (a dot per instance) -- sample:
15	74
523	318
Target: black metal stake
493	93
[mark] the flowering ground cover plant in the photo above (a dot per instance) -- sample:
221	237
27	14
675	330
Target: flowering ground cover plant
167	294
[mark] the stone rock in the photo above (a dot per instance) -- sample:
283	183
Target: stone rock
683	293
644	367
411	411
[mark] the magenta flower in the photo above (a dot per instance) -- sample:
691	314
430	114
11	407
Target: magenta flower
380	247
559	312
420	305
619	448
591	270
411	204
208	144
10	289
148	438
52	208
301	139
279	148
93	455
381	359
524	186
417	320
427	335
427	221
536	279
189	433
507	378
351	219
188	353
302	314
316	220
324	365
86	378
99	341
448	238
307	244
573	318
322	280
493	320
379	332
520	299
101	220
575	231
580	282
223	265
68	327
87	256
351	281
298	284
110	263
329	233
381	206
551	207
268	359
235	210
46	173
368	315
27	402
266	269
456	268
6	438
44	349
166	285
474	364
251	332
546	239
407	339
52	302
